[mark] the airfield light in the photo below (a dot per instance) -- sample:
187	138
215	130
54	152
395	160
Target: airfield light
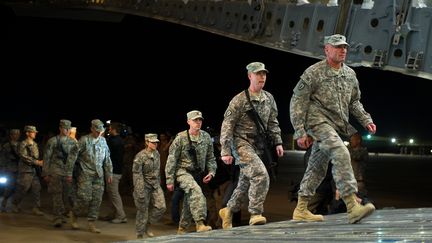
411	141
393	140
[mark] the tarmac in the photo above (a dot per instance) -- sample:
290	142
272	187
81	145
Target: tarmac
399	186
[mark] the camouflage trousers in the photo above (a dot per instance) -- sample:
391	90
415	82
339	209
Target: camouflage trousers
150	208
27	181
328	147
61	192
194	201
253	184
90	189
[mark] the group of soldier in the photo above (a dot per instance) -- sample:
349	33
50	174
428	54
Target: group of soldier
77	171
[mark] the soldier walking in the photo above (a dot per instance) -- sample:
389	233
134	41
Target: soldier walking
60	155
95	168
29	168
191	162
148	194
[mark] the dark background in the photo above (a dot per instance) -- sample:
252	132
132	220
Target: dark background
149	74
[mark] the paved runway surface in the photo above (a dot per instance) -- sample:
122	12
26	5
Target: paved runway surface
399	185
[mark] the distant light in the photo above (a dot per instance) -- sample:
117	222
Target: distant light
393	140
3	180
369	136
346	143
411	140
108	122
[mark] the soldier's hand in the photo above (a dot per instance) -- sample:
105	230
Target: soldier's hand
170	187
39	162
304	142
69	179
109	180
279	151
371	127
207	178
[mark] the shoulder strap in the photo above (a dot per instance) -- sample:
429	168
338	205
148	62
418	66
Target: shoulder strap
257	119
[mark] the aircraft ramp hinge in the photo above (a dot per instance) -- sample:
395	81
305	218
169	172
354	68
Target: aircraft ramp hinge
379	58
414	60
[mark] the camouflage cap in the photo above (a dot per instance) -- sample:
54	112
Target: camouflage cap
151	137
335	40
14	131
30	129
256	67
192	115
66	124
98	125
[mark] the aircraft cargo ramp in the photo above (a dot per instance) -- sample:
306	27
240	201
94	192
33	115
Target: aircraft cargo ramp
385	225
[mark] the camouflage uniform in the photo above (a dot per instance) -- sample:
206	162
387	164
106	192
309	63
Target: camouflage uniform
359	157
10	157
148	195
321	104
59	158
180	168
94	167
27	174
239	130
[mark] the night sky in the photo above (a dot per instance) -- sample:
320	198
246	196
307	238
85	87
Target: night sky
75	60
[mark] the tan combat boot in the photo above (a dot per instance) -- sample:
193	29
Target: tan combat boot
181	230
73	220
355	210
257	219
92	227
302	213
36	211
201	227
148	232
226	216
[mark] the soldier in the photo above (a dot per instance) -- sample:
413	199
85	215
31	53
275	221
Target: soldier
11	158
95	168
191	162
327	93
147	188
240	130
29	168
61	152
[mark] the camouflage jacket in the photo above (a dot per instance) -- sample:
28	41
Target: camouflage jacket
94	156
10	156
238	127
180	158
29	153
60	155
145	171
324	96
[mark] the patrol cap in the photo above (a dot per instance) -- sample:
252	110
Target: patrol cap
192	115
97	125
66	124
30	129
14	131
151	137
256	67
335	40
